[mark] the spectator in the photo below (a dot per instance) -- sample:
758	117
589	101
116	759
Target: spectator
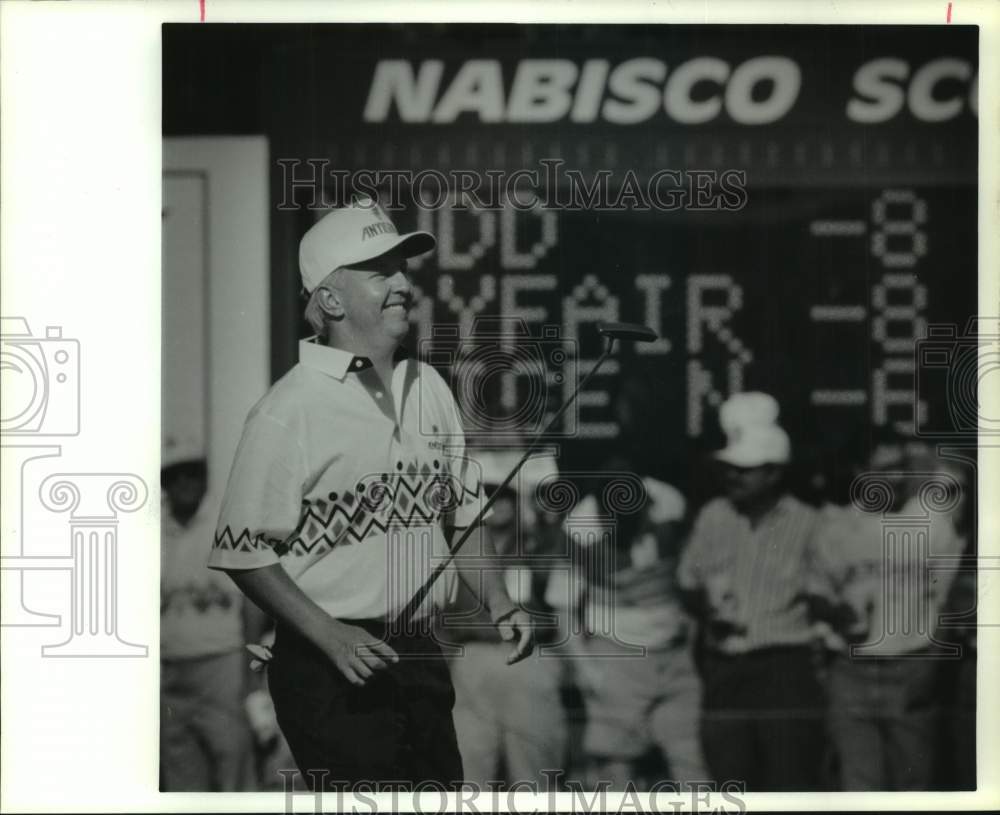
510	724
639	681
205	738
745	569
885	682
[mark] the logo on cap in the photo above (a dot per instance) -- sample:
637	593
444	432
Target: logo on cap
380	228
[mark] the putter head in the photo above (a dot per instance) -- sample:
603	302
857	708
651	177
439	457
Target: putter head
633	332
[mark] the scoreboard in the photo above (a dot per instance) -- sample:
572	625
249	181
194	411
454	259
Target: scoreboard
817	297
842	235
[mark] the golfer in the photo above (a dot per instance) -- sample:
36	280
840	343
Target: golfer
348	483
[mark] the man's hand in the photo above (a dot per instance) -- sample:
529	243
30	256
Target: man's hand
517	625
356	653
723	604
859	602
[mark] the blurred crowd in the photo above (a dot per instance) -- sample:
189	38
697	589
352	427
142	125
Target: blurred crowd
218	731
765	636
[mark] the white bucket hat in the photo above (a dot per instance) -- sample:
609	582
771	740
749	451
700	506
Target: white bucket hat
753	436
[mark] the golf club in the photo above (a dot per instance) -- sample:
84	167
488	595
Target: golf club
612	331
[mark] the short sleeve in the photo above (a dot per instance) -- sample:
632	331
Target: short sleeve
824	555
690	574
263	498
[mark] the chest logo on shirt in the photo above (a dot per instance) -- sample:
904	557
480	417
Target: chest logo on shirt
412	496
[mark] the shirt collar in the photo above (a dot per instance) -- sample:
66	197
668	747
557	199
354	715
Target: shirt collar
337	362
786	503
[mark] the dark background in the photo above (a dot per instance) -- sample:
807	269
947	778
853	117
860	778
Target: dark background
305	88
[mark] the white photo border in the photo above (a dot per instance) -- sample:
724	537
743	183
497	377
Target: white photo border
80	250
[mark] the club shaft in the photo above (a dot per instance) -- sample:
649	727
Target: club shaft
402	621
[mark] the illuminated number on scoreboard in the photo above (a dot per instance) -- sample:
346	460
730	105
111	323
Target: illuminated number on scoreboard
886	227
898	302
890	309
898	299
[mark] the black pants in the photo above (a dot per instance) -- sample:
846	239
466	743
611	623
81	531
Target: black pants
763	720
398	727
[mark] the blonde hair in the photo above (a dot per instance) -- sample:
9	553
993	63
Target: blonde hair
317	317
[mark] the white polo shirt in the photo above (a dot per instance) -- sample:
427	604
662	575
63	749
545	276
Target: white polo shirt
349	487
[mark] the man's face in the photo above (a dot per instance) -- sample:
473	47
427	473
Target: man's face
745	485
185	487
376	296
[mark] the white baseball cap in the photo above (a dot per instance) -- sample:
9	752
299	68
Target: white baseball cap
353	234
753	436
756	446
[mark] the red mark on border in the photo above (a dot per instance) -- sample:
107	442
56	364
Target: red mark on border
201	6
949	10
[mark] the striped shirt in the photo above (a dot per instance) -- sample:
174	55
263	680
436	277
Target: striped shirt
757	575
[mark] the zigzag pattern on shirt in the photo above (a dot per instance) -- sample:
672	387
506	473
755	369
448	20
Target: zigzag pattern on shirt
378	503
244	542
